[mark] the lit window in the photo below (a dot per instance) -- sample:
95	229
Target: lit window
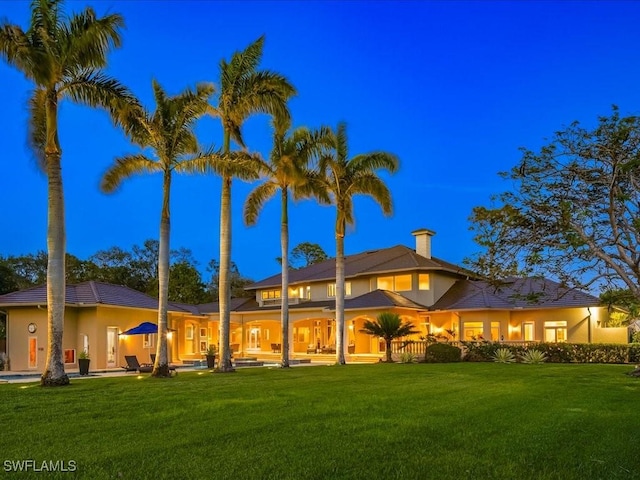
473	331
402	283
528	332
270	294
331	289
147	340
399	283
300	292
424	281
555	332
385	283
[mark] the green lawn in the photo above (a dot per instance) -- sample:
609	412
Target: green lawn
458	421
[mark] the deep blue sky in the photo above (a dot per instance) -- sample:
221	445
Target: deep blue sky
452	88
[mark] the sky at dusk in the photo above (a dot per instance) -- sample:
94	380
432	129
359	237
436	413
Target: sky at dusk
452	88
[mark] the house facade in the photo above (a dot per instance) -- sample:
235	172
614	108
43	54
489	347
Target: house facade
436	296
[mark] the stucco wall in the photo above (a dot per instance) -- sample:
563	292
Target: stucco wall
18	337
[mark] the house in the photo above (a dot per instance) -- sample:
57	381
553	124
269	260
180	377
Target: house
96	314
438	297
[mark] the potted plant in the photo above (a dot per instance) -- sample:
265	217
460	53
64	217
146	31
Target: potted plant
211	356
83	362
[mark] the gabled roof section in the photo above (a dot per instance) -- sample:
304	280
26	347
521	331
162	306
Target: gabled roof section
393	259
88	294
236	304
514	293
381	299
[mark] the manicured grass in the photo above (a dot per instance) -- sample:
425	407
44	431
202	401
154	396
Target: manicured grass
436	421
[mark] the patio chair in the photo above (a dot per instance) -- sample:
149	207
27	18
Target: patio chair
134	366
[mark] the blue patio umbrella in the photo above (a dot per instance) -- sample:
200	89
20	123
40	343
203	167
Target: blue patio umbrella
144	327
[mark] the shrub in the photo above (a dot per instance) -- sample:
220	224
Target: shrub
3	361
634	353
408	357
533	357
635	337
480	351
504	355
442	353
556	352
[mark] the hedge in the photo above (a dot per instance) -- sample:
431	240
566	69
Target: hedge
558	352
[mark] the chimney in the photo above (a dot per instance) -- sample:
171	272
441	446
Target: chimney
423	241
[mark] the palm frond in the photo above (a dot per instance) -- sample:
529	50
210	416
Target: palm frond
256	200
372	185
37	131
246	61
89	39
315	187
126	167
388	325
242	165
16	48
263	92
96	89
374	161
171	123
341	144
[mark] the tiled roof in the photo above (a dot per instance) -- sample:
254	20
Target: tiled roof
391	259
381	298
520	293
88	293
252	306
214	307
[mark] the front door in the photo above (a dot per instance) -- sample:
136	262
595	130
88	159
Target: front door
112	347
254	339
33	352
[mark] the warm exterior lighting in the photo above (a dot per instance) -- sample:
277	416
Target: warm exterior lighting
169	335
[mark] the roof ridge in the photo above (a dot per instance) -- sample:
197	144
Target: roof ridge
386	260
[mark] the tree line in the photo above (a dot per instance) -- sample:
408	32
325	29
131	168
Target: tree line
136	268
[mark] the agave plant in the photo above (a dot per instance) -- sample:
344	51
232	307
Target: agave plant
504	355
408	357
534	357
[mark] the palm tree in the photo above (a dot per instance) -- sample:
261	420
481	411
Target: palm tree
168	132
286	171
64	57
341	179
244	90
388	326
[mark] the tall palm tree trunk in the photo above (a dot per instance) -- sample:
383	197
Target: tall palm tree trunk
284	243
161	366
224	290
388	342
54	373
340	228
